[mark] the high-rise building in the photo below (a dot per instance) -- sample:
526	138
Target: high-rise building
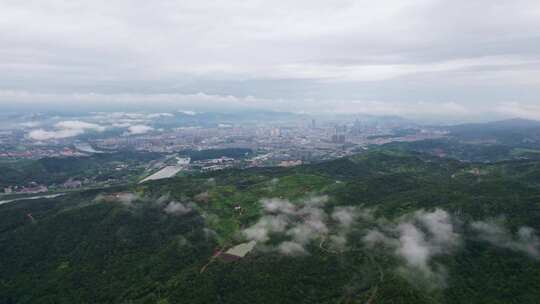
338	138
275	132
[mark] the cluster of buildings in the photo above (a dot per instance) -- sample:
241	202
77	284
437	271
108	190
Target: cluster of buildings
32	188
305	140
215	164
285	144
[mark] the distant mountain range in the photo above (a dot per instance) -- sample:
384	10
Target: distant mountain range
512	131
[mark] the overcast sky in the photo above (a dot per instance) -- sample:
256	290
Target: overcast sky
416	58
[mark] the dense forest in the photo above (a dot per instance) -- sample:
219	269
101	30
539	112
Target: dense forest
384	226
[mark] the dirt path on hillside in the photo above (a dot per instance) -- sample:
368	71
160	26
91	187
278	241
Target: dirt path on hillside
212	259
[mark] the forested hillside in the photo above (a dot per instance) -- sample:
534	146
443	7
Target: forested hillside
380	227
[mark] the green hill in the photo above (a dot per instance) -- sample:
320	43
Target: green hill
379	227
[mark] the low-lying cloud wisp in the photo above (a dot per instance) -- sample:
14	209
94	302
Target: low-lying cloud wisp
302	222
524	240
138	129
417	239
177	208
65	129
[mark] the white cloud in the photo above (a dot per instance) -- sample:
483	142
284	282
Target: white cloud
65	129
346	216
41	134
266	225
187	112
302	222
440	225
275	205
417	239
177	208
78	125
125	198
159	115
139	129
291	248
413	246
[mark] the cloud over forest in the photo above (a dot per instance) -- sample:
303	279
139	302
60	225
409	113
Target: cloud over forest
525	239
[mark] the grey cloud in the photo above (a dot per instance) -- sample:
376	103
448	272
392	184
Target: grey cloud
439	52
